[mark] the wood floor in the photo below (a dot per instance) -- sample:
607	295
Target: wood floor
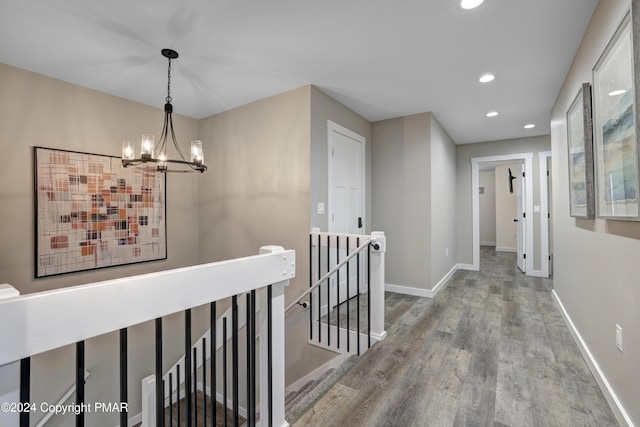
491	349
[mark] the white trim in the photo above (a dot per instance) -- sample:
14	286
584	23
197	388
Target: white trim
544	212
467	267
335	127
475	204
505	249
620	413
317	373
425	293
487	243
538	273
408	290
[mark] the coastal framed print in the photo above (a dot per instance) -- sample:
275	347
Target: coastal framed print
580	146
91	213
615	127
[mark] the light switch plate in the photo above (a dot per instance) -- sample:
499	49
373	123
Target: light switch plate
320	208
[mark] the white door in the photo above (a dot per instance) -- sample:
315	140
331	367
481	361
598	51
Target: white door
521	217
346	200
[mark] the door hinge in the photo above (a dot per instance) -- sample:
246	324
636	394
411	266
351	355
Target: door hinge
549	215
524	214
549	257
524	256
548	173
523	174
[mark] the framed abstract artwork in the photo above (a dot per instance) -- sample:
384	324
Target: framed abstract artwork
91	213
580	145
615	127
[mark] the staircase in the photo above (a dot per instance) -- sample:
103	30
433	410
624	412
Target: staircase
298	402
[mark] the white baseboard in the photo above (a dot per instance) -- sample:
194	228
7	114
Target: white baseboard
536	273
487	243
467	267
616	406
425	293
505	249
408	290
317	373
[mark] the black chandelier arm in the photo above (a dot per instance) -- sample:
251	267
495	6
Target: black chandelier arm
196	167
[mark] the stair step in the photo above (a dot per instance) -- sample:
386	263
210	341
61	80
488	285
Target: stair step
311	394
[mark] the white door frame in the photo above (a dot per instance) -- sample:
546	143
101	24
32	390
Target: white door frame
544	212
475	205
334	127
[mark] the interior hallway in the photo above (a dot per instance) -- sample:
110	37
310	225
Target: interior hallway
491	349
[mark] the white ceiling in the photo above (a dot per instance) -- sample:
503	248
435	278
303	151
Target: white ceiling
381	58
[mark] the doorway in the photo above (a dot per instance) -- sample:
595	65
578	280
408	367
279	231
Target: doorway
526	240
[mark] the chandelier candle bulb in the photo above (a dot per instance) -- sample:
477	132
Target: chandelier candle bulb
162	161
127	150
147	146
197	155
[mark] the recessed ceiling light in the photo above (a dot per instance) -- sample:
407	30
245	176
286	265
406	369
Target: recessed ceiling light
492	114
486	78
617	92
529	126
470	4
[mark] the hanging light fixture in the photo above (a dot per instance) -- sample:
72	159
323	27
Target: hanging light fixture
154	156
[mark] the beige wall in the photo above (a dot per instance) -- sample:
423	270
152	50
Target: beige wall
464	155
506	208
40	111
442	189
414	183
487	207
324	108
595	261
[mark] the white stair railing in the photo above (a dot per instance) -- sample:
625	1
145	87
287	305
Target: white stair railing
346	274
39	322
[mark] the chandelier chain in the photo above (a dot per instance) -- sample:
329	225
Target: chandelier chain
168	99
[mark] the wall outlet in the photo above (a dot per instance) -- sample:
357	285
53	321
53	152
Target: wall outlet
619	337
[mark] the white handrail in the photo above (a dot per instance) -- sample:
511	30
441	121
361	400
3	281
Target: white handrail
34	323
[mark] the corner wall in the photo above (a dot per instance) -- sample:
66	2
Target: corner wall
414	182
595	261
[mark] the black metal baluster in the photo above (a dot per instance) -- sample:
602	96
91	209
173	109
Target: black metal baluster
204	380
328	291
171	398
348	300
252	357
319	289
123	376
178	393
234	359
159	385
80	383
187	367
224	367
195	381
163	391
247	328
369	296
311	284
270	352
25	389
338	290
214	343
358	293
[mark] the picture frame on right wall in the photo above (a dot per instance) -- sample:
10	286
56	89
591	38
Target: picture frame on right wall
580	145
615	126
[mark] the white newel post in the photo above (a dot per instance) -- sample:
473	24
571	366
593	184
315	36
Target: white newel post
377	286
9	373
277	347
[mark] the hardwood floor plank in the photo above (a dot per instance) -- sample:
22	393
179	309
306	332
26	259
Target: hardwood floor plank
490	349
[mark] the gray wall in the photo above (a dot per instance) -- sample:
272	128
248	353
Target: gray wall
465	153
414	176
444	253
40	111
324	108
487	206
595	261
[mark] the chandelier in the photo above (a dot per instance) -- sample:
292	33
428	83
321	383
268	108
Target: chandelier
154	156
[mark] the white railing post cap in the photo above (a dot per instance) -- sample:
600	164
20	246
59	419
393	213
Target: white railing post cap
271	249
380	239
8	291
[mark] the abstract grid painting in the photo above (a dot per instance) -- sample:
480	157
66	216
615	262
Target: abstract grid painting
93	213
